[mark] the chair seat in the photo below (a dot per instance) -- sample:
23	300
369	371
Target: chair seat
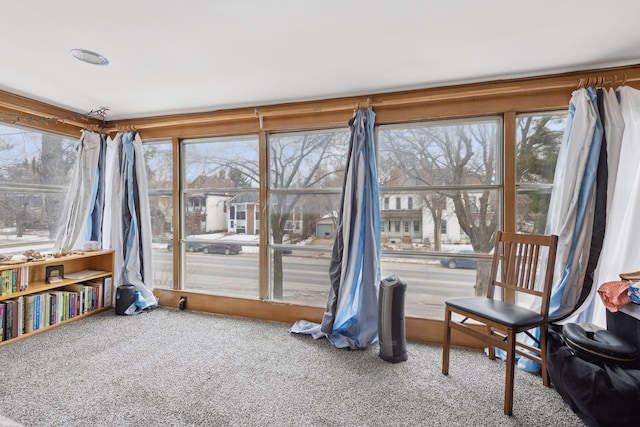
510	315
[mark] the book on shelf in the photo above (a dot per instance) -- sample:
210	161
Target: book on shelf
64	315
11	319
16	318
40	311
45	309
36	312
28	313
20	303
107	284
33	312
97	298
73	297
8	321
56	304
79	290
4	284
52	308
62	305
23	278
14	280
2	307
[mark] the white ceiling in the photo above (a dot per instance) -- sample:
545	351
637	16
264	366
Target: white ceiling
182	56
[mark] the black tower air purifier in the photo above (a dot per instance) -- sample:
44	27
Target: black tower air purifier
125	296
391	333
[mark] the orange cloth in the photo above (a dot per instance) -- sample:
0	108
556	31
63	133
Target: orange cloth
614	295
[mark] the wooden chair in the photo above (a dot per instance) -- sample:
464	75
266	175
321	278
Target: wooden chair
518	267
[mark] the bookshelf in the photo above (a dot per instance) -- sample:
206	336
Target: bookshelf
85	288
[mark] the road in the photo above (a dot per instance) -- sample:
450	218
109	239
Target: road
306	279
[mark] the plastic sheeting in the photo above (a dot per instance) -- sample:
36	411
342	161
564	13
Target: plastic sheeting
351	317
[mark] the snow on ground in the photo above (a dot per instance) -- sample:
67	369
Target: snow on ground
456	248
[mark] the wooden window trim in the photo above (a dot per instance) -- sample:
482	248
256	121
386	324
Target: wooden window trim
506	98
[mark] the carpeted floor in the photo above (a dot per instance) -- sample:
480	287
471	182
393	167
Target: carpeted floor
172	368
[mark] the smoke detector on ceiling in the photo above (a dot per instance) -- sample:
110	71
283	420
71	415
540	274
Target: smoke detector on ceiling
89	57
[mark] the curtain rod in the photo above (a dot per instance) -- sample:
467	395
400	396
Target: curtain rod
600	81
384	100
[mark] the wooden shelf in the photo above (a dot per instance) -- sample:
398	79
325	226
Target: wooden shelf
99	262
50	327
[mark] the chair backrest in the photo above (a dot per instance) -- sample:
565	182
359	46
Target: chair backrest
524	263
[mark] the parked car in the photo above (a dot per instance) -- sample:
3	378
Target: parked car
454	262
210	248
222	248
190	247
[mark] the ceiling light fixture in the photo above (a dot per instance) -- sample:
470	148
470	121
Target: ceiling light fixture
89	57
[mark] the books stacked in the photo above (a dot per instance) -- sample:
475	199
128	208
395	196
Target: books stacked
11	318
30	313
14	280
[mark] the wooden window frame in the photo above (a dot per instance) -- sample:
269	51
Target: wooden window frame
505	98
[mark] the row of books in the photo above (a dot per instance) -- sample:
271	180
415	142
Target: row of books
29	313
14	280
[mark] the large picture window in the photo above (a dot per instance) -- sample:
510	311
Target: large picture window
35	172
440	196
433	173
158	157
538	140
450	171
305	180
220	237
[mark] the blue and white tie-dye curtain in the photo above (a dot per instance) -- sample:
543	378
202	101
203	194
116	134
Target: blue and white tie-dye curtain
595	204
572	207
127	219
108	203
351	317
620	252
84	205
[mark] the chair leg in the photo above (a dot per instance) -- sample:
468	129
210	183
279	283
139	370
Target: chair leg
511	364
446	341
491	350
546	380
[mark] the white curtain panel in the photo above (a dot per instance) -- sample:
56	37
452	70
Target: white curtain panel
620	252
572	202
81	196
108	202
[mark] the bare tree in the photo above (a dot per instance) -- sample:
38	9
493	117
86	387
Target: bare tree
57	158
42	160
159	171
451	159
305	161
446	157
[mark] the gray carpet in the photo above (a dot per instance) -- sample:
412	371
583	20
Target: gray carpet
173	368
